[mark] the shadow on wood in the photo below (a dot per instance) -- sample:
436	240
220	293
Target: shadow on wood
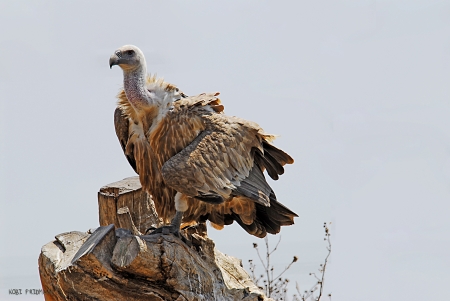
116	262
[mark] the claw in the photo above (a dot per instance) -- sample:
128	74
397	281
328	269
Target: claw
166	230
173	228
150	230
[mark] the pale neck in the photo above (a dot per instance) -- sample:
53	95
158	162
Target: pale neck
134	82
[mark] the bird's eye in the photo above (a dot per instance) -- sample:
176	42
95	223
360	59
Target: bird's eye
130	52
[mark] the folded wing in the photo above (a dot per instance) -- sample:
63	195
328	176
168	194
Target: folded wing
222	170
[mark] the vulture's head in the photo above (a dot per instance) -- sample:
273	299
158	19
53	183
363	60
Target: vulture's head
128	57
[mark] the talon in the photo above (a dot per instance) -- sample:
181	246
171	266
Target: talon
173	228
165	230
150	230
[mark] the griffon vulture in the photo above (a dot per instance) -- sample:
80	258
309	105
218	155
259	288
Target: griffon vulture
197	163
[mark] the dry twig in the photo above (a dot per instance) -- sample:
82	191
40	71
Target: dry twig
276	287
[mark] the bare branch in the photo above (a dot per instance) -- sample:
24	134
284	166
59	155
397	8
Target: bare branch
327	237
276	287
257	251
274	249
286	268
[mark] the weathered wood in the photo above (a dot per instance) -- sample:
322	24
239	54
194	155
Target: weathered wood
115	265
127	206
89	275
111	263
135	255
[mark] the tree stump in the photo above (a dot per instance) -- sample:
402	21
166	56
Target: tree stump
116	262
127	206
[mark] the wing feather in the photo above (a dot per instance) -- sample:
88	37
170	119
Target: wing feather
215	160
255	187
121	124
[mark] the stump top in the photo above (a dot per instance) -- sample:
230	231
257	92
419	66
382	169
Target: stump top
123	186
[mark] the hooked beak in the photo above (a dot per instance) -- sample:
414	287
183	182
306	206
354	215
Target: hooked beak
113	60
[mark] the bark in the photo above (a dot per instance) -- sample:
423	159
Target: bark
127	206
116	262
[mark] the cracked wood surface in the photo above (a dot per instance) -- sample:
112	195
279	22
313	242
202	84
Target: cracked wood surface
117	265
111	263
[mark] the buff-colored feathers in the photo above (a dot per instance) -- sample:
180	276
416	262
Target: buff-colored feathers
188	145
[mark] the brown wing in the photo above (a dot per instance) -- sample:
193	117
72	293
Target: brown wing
223	168
216	162
121	125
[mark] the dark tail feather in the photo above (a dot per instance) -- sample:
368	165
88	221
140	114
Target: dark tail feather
255	228
275	216
268	219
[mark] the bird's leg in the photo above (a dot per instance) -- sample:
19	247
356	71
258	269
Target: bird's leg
173	228
176	221
175	224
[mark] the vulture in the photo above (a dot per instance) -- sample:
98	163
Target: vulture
197	163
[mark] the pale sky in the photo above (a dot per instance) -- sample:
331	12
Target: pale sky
357	90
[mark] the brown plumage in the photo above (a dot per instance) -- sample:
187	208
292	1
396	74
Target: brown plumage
186	145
